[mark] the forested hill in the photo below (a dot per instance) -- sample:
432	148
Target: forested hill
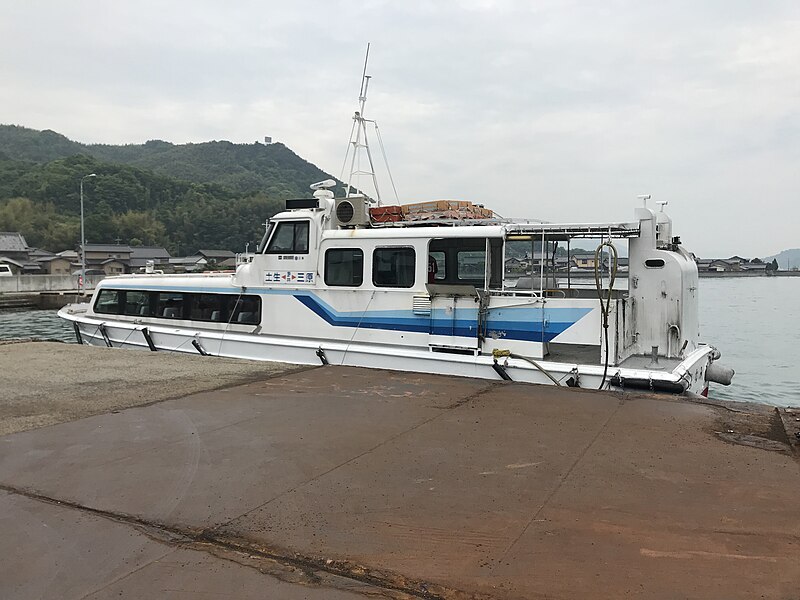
185	197
245	168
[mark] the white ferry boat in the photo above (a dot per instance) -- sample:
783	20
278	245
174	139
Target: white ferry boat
424	288
329	284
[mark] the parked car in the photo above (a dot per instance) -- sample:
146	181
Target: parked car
5	271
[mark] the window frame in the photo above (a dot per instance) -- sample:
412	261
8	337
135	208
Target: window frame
395	248
232	303
294	224
326	267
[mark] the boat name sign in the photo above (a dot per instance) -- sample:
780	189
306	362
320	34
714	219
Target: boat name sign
288	277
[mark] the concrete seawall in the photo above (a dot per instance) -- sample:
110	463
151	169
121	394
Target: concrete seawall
44	300
45	283
137	474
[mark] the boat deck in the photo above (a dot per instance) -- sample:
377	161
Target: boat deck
345	483
584	354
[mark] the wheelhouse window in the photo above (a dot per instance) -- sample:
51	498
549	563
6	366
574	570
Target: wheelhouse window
393	267
344	267
108	302
290	237
234	309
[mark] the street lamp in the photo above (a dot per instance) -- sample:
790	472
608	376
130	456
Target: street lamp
83	240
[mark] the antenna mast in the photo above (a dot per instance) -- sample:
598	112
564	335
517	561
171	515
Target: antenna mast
360	144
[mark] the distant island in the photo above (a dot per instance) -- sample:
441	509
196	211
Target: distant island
787	260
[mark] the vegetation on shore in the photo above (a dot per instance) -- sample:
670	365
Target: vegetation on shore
183	197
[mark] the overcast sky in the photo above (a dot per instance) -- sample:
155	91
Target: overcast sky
559	110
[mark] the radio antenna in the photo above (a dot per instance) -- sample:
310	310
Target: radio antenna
359	144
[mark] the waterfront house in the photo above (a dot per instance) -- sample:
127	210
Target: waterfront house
721	265
140	255
759	267
583	261
15	253
14	246
188	264
55	265
215	257
112	259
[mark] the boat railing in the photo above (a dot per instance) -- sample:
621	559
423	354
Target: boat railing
243	258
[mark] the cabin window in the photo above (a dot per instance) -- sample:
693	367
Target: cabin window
290	237
210	307
169	305
393	267
137	304
214	308
460	261
437	266
108	302
247	310
471	265
344	266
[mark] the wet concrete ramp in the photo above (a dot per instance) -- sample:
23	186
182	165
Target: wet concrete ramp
339	482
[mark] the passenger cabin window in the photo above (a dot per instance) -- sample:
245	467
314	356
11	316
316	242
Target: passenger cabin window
393	267
214	308
108	302
437	267
344	266
460	261
290	237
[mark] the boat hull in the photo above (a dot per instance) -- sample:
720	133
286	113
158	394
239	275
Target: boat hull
688	376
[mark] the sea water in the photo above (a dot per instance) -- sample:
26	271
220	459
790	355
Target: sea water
753	321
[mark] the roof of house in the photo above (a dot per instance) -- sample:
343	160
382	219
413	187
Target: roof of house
6	260
37	253
12	241
108	248
50	258
216	254
69	254
149	252
186	260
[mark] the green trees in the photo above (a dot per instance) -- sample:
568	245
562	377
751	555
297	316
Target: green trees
184	197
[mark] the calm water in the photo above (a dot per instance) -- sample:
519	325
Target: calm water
755	322
39	324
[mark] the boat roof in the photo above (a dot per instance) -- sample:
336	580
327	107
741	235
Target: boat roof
477	228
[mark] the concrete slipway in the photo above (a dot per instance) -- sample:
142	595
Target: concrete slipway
345	483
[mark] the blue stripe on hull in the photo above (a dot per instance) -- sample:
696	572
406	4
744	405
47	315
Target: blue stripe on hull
516	328
521	323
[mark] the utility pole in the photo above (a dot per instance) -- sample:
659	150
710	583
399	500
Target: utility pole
83	240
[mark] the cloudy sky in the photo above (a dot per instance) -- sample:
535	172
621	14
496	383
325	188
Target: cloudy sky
553	109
